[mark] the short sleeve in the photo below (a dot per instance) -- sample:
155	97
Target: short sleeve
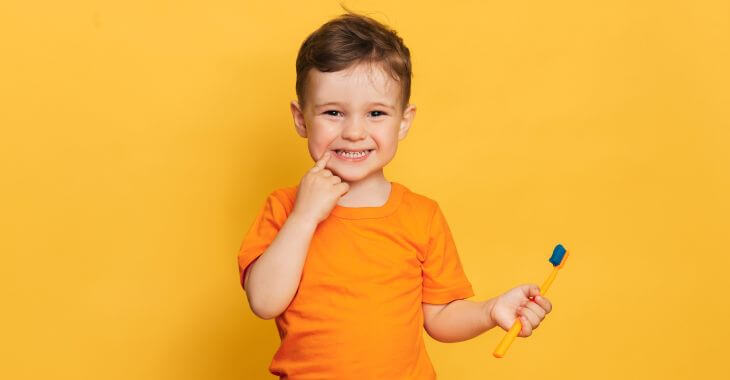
262	232
444	279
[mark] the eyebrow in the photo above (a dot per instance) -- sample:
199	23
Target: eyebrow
340	104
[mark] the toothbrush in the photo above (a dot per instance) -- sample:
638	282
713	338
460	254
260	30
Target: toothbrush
558	260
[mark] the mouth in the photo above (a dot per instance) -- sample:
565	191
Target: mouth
352	156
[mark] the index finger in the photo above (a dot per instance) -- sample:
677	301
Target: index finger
322	160
544	303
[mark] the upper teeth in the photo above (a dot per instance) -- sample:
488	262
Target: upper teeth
352	154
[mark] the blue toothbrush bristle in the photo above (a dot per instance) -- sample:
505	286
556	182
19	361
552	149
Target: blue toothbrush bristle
558	254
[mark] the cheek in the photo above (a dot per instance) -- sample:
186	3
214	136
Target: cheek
386	140
317	148
320	139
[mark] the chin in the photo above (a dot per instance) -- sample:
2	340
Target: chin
350	175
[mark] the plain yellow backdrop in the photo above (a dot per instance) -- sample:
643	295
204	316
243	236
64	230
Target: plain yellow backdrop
140	138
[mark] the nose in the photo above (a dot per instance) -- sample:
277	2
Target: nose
354	130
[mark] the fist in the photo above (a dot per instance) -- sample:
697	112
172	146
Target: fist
318	192
523	302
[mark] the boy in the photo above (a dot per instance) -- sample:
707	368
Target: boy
353	265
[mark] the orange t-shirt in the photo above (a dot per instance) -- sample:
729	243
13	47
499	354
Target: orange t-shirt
357	313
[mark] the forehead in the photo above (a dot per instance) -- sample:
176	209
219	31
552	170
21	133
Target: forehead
357	85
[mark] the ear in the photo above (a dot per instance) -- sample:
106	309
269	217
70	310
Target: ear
298	115
407	119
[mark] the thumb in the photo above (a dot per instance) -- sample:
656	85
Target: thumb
530	290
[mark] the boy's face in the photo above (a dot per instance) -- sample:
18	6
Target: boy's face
342	113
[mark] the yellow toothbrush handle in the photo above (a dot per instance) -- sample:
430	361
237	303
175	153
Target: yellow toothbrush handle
546	285
508	338
517	326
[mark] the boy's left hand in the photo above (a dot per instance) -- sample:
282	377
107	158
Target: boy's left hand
517	303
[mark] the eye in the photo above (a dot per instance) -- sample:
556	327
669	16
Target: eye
378	113
329	112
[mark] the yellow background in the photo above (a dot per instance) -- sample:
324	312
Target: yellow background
140	138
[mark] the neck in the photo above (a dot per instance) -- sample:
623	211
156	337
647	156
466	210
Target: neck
371	191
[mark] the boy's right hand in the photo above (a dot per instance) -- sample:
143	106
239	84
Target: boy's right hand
318	192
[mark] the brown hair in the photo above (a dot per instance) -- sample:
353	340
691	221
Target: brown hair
352	39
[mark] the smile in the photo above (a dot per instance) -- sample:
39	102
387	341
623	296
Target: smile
353	156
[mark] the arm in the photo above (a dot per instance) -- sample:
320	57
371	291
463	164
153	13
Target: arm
461	320
457	320
272	279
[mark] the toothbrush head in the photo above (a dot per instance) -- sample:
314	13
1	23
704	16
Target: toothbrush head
560	255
